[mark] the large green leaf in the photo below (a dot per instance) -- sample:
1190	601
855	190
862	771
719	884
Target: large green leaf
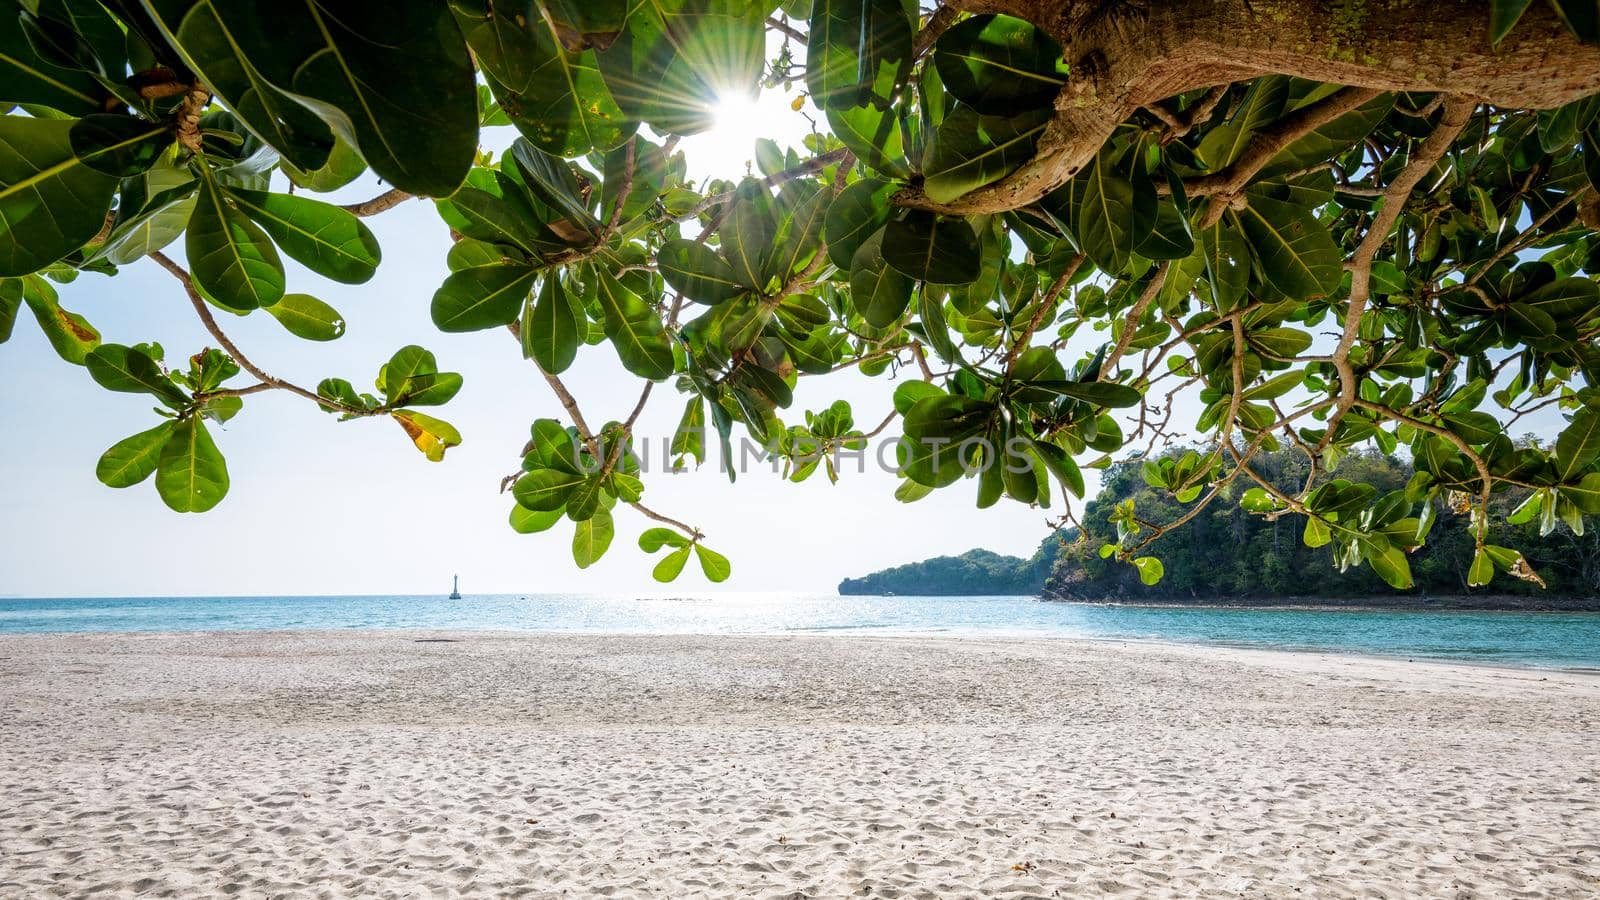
507	221
748	234
1296	253
482	297
1331	139
871	130
304	316
1578	446
592	538
938	249
1000	65
320	236
713	564
25	77
69	334
393	78
860	210
555	98
698	272
1112	216
971	150
858	49
544	490
878	290
800	211
51	202
553	327
231	259
130	370
675	59
635	330
191	476
121	146
132	459
10	302
152	212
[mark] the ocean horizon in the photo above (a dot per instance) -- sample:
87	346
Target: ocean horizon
1564	640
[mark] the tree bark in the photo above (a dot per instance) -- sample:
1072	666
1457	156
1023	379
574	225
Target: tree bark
1125	54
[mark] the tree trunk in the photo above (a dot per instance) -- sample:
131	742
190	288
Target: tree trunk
1125	54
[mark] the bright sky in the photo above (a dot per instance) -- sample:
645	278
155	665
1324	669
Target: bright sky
323	507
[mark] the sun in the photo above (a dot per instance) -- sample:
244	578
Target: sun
739	120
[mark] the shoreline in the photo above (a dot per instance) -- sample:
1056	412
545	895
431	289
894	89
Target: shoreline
863	633
480	763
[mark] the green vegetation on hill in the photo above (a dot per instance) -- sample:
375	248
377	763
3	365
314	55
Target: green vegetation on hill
975	572
1228	552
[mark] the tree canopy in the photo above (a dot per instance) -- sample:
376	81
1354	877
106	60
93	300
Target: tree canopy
1333	224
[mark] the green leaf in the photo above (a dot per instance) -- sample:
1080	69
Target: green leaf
748	235
715	566
230	258
1096	393
553	328
344	165
1111	216
320	236
393	79
1000	65
10	302
69	334
654	539
971	150
878	290
1282	343
527	521
27	78
872	131
799	232
860	210
1578	445
937	249
858	49
546	489
671	565
191	475
433	389
1317	532
432	436
636	332
592	538
1296	253
1389	561
1585	494
1150	569
132	459
120	146
675	59
1257	500
555	98
130	370
1482	571
482	297
51	202
304	316
698	272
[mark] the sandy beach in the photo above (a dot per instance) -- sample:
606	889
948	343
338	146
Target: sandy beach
398	764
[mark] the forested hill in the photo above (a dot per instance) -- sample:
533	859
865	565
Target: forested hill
1227	553
975	572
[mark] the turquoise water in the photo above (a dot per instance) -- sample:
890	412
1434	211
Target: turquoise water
1567	640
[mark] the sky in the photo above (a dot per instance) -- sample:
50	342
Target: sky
319	506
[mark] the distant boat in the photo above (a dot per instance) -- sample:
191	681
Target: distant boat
455	587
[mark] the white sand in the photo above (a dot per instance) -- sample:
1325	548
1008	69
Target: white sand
337	764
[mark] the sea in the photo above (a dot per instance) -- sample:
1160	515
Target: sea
1532	639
